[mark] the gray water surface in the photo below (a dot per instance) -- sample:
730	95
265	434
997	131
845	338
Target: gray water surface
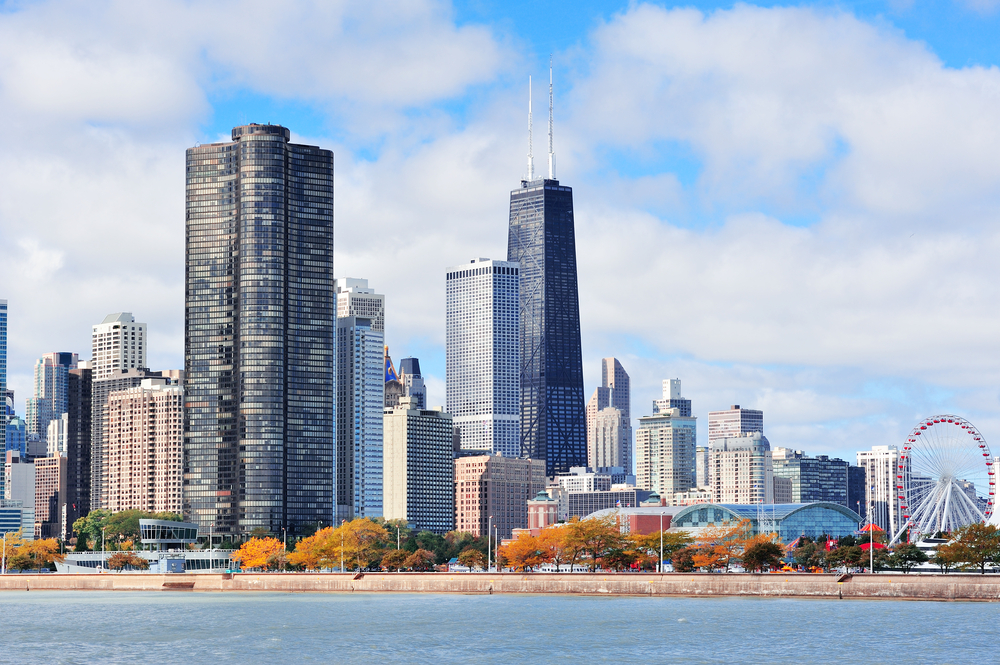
192	628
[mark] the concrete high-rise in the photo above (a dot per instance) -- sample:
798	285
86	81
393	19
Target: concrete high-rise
734	422
498	487
360	407
119	344
482	355
143	448
881	500
418	469
672	398
49	400
665	452
609	419
742	470
51	515
3	375
259	333
542	240
356	298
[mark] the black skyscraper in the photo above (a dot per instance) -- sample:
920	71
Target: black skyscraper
542	240
78	449
259	334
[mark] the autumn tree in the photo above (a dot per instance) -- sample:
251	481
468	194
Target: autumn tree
122	560
472	558
672	541
522	553
762	555
420	560
592	538
259	553
683	559
31	554
552	543
726	542
906	556
977	545
315	551
393	560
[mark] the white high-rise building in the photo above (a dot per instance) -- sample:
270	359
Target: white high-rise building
356	298
664	452
881	465
118	345
672	398
482	356
360	390
742	469
734	422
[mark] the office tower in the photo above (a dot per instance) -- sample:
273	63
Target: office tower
856	490
50	497
360	405
393	386
664	452
17	435
782	489
813	478
259	334
702	477
143	448
118	344
55	437
19	486
4	416
482	355
672	398
495	486
49	399
542	241
743	473
100	390
881	500
78	448
734	422
413	381
609	420
356	298
418	469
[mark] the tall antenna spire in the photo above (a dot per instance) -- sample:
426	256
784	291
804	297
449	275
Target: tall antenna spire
552	155
531	159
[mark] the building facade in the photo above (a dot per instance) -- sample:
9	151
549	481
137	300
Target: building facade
812	478
609	418
881	500
3	372
665	452
79	428
734	422
118	345
144	448
413	381
497	487
19	487
542	240
856	490
791	520
51	518
259	333
360	407
48	401
356	298
672	398
482	361
742	470
418	469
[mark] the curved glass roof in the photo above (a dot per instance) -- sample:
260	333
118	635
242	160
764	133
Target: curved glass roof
777	511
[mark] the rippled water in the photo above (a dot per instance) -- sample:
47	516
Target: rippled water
85	627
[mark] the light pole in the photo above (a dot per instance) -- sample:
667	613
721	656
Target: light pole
3	569
342	545
397	537
211	535
104	554
284	538
661	543
489	545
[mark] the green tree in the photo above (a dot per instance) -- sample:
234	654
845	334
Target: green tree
420	560
592	538
906	556
762	555
472	558
977	545
683	559
131	560
394	559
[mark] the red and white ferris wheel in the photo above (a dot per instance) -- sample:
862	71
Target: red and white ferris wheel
945	477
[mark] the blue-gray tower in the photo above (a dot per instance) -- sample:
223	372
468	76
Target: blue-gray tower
542	240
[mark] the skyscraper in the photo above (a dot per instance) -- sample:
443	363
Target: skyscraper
609	421
356	298
482	355
881	500
3	374
813	478
413	381
360	407
49	400
742	471
734	422
672	398
119	344
259	333
664	453
78	442
542	241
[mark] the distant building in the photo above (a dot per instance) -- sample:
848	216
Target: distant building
812	478
691	497
581	504
119	344
783	490
393	386
665	452
16	435
3	374
542	511
742	469
702	466
584	479
672	399
413	381
19	486
881	498
144	448
609	419
48	400
792	520
734	422
78	441
418	469
355	298
50	497
360	405
482	347
856	490
498	487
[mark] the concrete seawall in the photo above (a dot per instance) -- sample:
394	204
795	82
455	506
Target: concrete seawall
910	587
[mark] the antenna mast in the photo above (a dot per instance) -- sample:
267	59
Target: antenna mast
531	159
552	155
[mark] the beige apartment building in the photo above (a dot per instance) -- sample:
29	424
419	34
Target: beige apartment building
492	485
50	496
144	448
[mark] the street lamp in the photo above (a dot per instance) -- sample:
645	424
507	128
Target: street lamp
489	545
3	569
284	538
342	545
104	557
211	535
661	542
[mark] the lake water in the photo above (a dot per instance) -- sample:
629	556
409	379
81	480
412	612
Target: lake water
247	628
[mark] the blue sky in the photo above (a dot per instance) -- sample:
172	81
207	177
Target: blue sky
789	206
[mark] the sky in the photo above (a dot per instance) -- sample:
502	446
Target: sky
789	206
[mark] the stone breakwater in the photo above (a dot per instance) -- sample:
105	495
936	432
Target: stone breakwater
892	586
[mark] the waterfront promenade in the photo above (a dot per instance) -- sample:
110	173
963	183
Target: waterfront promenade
895	586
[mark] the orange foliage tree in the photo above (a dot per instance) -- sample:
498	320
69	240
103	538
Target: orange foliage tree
522	553
260	553
360	543
315	552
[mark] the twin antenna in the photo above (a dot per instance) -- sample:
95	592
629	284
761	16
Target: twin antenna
552	155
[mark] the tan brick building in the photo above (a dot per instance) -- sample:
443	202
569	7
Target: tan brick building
50	496
488	485
144	448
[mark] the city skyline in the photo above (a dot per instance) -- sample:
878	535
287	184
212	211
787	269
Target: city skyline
786	301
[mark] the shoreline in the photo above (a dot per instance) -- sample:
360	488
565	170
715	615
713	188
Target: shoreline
933	587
